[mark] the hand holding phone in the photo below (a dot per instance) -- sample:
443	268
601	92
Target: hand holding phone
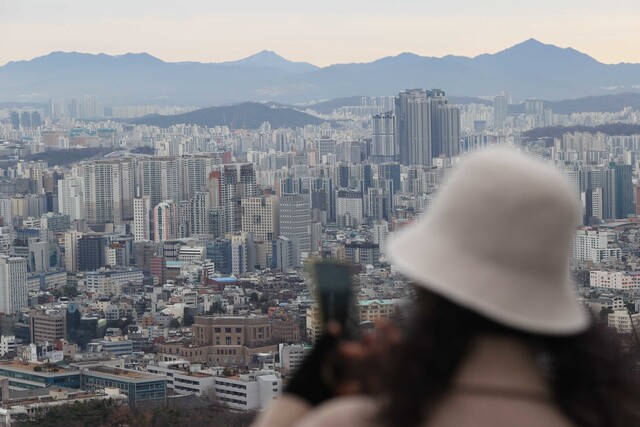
334	289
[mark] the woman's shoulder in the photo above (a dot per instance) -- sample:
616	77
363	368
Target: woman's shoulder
356	411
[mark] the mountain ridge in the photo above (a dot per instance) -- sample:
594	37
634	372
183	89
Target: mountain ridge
528	69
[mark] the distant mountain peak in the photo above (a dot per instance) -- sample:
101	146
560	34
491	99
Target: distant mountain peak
263	55
532	42
530	45
535	49
270	59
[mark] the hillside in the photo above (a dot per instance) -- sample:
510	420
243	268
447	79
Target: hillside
248	115
601	104
558	131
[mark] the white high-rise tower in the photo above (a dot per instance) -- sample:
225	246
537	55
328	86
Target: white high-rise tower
141	214
13	284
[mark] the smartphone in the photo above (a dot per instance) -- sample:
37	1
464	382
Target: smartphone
334	289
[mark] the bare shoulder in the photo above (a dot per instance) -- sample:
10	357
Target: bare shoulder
357	411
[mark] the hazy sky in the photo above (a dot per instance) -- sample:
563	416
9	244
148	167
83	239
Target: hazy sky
321	32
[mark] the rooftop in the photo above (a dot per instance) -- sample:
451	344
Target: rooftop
123	373
47	369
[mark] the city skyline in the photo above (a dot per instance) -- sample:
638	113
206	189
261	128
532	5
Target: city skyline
362	32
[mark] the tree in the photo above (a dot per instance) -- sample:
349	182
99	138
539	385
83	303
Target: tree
216	308
65	291
604	313
121	324
582	277
174	323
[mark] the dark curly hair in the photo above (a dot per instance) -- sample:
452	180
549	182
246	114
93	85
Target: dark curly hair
593	380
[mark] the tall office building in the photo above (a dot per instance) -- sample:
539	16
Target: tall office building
108	189
413	124
624	190
158	269
243	253
380	234
426	127
446	139
13	284
141	219
92	252
391	172
184	219
349	208
592	206
71	238
165	221
15	120
606	180
295	219
85	107
286	254
5	210
324	147
379	202
383	145
200	208
161	179
362	176
228	184
196	170
316	237
70	198
534	107
261	218
500	106
323	197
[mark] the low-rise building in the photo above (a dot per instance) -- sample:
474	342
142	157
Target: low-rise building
292	356
139	387
624	322
8	344
249	391
47	325
27	376
103	281
617	280
118	346
184	378
594	246
285	330
250	331
47	280
370	310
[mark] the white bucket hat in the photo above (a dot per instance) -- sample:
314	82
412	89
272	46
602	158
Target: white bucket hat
498	242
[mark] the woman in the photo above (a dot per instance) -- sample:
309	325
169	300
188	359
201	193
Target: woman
498	337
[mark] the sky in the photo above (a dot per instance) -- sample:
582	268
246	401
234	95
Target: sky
321	32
